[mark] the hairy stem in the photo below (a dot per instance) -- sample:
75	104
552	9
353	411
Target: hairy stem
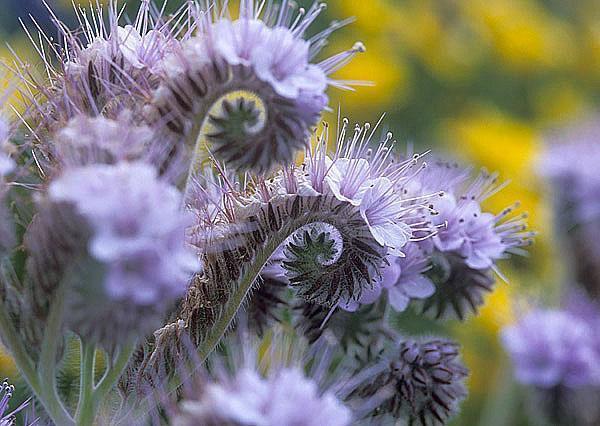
47	363
86	407
237	298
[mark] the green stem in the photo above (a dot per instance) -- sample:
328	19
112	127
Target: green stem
236	300
114	372
86	407
26	366
47	363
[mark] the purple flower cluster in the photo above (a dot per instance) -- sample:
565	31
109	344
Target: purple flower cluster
480	238
138	229
287	397
570	162
554	347
403	281
369	179
259	69
88	140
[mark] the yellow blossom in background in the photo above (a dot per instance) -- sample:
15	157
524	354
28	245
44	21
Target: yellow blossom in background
523	33
446	46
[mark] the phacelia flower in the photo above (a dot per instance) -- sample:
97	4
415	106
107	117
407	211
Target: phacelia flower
102	67
249	86
570	163
285	398
552	347
425	381
243	388
468	242
403	280
138	234
370	179
334	249
87	140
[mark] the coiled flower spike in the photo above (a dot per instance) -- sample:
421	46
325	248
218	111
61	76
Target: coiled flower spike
248	88
100	68
332	252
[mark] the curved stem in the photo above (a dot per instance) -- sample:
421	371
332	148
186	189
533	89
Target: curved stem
237	298
85	408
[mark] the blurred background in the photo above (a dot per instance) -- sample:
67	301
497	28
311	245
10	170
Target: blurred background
480	81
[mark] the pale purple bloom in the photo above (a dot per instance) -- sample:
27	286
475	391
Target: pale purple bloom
464	228
383	209
570	162
138	229
348	179
469	232
263	64
403	280
85	140
285	398
551	347
370	180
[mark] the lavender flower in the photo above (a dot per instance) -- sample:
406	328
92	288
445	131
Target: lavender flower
552	347
88	140
579	184
137	234
243	389
328	257
285	398
371	180
403	281
103	67
249	86
569	163
469	241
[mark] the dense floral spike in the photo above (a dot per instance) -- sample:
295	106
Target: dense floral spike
469	242
248	87
100	68
137	238
336	226
425	380
551	348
